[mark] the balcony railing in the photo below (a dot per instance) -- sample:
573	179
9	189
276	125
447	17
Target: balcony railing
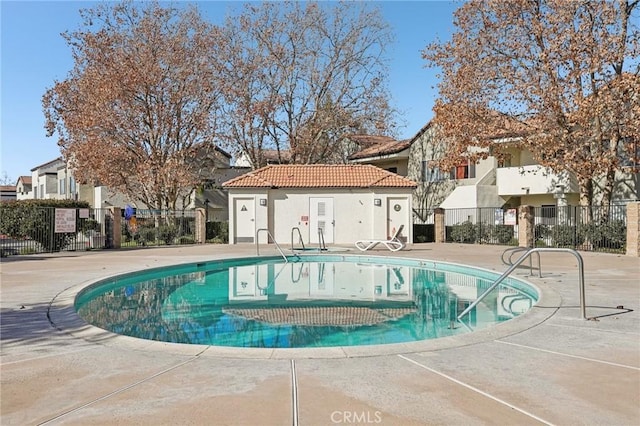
529	180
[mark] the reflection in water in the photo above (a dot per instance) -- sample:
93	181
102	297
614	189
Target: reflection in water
297	304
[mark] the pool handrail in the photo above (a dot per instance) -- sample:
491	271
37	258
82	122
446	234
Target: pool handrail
295	228
514	250
321	244
272	239
519	261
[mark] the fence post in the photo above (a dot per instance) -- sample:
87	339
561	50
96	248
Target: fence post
438	220
201	226
116	228
526	226
633	229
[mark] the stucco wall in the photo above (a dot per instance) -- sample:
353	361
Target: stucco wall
355	215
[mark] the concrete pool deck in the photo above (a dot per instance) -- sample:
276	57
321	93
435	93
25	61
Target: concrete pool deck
548	366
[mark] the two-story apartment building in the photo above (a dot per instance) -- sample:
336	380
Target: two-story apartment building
515	180
53	180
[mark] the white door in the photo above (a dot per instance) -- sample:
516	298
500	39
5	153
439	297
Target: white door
245	220
321	217
397	215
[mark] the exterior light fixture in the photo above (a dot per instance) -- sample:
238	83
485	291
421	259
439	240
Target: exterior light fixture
263	201
377	202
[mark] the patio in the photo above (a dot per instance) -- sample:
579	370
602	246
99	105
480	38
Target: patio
548	366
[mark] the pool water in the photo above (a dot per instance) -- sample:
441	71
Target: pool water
311	301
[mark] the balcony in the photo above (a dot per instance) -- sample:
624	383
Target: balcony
530	180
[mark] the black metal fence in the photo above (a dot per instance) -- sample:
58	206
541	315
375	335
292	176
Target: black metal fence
158	227
587	228
482	225
52	229
423	226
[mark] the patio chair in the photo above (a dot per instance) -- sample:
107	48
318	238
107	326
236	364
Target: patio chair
393	243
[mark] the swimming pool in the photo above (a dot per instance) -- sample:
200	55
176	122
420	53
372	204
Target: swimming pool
311	301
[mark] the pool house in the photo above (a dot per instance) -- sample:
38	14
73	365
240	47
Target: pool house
338	204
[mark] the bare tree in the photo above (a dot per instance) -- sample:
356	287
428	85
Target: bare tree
562	77
140	101
5	179
298	76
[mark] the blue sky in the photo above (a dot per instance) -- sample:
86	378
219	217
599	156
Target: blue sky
34	55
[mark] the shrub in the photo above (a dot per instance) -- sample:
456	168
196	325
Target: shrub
35	219
541	231
566	236
185	239
503	234
464	232
611	234
167	233
88	225
217	232
146	234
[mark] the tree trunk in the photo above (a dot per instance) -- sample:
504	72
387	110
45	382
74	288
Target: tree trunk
586	191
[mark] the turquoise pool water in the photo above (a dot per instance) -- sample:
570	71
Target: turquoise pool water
311	301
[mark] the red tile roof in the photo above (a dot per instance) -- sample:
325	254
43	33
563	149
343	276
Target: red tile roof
381	148
368	140
25	180
320	176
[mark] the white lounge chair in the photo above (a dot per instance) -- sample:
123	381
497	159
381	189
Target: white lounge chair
393	243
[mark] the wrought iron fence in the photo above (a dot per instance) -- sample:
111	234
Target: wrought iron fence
587	228
482	225
53	229
158	227
423	226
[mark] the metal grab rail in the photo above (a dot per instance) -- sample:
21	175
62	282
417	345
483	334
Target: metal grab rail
272	239
321	240
295	228
513	251
519	261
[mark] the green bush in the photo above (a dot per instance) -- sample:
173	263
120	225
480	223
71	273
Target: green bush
503	234
146	234
464	232
35	219
217	232
541	231
186	239
167	233
88	225
566	236
611	235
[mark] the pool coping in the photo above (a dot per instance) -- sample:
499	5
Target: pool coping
63	316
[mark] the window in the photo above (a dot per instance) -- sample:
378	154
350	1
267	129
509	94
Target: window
504	162
72	185
465	170
548	214
62	189
631	156
431	173
42	190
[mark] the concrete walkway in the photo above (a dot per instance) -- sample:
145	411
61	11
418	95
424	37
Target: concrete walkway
548	366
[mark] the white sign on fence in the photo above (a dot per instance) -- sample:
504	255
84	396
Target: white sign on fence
65	220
